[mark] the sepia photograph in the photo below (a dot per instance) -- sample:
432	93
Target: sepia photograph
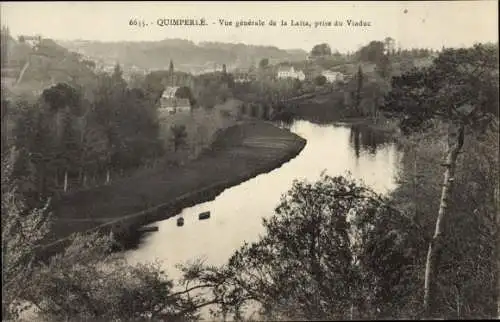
250	160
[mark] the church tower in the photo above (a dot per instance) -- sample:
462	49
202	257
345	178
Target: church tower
171	73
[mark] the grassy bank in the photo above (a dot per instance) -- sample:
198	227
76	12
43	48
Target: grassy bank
238	154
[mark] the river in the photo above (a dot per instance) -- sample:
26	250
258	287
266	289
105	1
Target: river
236	214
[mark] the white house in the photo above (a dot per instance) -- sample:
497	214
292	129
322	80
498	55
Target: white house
290	72
169	102
240	78
33	41
332	76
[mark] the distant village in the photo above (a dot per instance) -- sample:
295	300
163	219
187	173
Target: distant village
241	75
333	68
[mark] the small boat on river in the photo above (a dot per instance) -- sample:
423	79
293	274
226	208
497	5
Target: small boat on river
204	215
147	229
180	221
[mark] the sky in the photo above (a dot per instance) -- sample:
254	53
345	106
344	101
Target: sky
413	24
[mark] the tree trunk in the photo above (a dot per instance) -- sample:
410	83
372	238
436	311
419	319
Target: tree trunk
496	195
80	176
432	262
41	182
415	206
66	181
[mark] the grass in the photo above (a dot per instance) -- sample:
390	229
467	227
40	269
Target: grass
240	151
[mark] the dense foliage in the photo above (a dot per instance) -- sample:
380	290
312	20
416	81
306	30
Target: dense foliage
459	90
467	272
460	86
66	141
334	249
294	271
321	50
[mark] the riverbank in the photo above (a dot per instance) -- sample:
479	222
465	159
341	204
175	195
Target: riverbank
382	125
238	154
328	108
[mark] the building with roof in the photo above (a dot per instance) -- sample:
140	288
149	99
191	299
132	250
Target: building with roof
171	103
33	41
244	77
332	76
290	72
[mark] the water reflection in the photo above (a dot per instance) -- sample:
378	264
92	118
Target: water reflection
237	213
365	139
284	124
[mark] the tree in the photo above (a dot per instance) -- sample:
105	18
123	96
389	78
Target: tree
136	80
52	141
383	67
263	63
60	96
338	56
359	88
117	81
467	275
64	136
296	86
179	135
320	80
171	67
98	285
95	153
128	118
108	115
318	259
69	151
89	63
389	46
5	39
321	50
372	52
406	65
460	88
22	229
254	110
185	92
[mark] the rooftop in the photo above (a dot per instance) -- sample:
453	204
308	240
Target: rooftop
169	92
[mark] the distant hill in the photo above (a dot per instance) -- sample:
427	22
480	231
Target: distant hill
187	55
31	66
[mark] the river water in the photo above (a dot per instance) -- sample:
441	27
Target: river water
236	214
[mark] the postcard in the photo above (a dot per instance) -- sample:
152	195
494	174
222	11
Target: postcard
319	160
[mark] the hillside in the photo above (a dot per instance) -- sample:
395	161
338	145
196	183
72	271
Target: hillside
187	55
28	67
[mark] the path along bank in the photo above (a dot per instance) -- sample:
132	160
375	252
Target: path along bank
239	153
